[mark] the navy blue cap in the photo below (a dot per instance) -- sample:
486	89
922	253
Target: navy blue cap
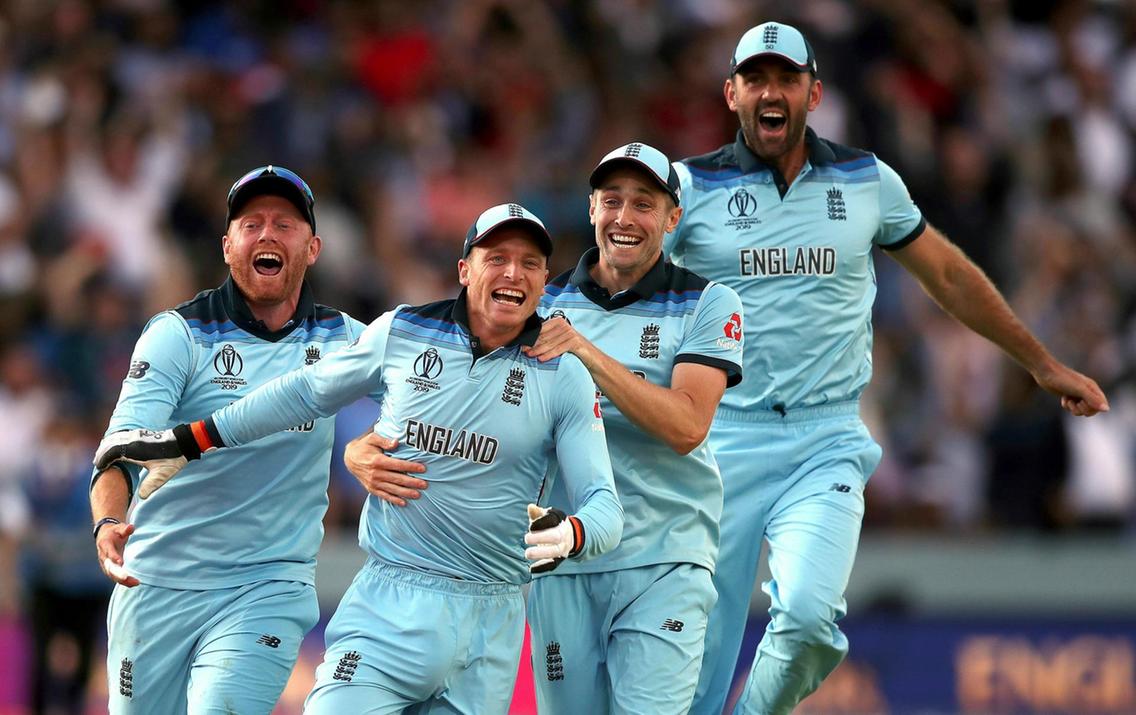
277	181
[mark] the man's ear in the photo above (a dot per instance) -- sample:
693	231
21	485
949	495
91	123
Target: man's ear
816	91
314	249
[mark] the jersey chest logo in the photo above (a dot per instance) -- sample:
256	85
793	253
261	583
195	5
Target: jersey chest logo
427	367
649	342
837	211
514	390
742	206
228	365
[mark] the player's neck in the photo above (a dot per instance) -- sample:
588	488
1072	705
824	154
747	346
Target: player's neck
274	315
614	280
788	164
791	162
490	337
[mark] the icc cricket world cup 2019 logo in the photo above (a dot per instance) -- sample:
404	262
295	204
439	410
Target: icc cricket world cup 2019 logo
228	364
427	367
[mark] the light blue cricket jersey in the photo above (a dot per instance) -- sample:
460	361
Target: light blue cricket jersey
800	258
489	430
248	514
672	503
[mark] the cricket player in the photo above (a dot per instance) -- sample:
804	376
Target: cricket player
623	633
434	620
216	573
789	220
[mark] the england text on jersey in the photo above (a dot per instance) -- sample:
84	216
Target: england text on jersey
436	439
781	261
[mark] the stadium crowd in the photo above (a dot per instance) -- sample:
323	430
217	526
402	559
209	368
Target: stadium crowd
122	123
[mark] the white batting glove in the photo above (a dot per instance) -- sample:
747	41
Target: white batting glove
162	453
552	537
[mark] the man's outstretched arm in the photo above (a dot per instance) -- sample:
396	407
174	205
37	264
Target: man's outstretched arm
964	291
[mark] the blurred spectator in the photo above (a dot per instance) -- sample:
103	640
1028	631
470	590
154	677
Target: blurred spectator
65	591
1028	458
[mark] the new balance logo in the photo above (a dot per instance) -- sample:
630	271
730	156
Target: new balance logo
553	661
348	664
837	211
126	678
672	625
270	641
633	150
842	488
138	369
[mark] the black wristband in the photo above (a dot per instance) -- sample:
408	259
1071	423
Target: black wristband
186	442
101	523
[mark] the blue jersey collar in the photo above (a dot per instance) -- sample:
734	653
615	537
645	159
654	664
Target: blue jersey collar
654	281
459	313
236	307
819	152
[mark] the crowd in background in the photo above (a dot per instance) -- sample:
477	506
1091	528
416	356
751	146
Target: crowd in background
123	123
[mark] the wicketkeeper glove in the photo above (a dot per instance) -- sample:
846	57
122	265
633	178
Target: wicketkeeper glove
162	453
552	537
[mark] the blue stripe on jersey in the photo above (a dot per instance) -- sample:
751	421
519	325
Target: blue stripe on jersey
211	331
430	323
832	172
662	303
716	175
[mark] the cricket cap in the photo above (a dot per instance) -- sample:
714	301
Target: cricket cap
507	215
277	181
777	40
645	158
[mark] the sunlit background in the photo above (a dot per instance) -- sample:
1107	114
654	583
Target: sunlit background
997	571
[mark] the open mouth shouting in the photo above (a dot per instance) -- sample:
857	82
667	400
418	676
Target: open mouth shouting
508	296
268	263
772	121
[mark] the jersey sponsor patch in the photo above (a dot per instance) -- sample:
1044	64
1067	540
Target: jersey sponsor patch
444	441
732	332
783	261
